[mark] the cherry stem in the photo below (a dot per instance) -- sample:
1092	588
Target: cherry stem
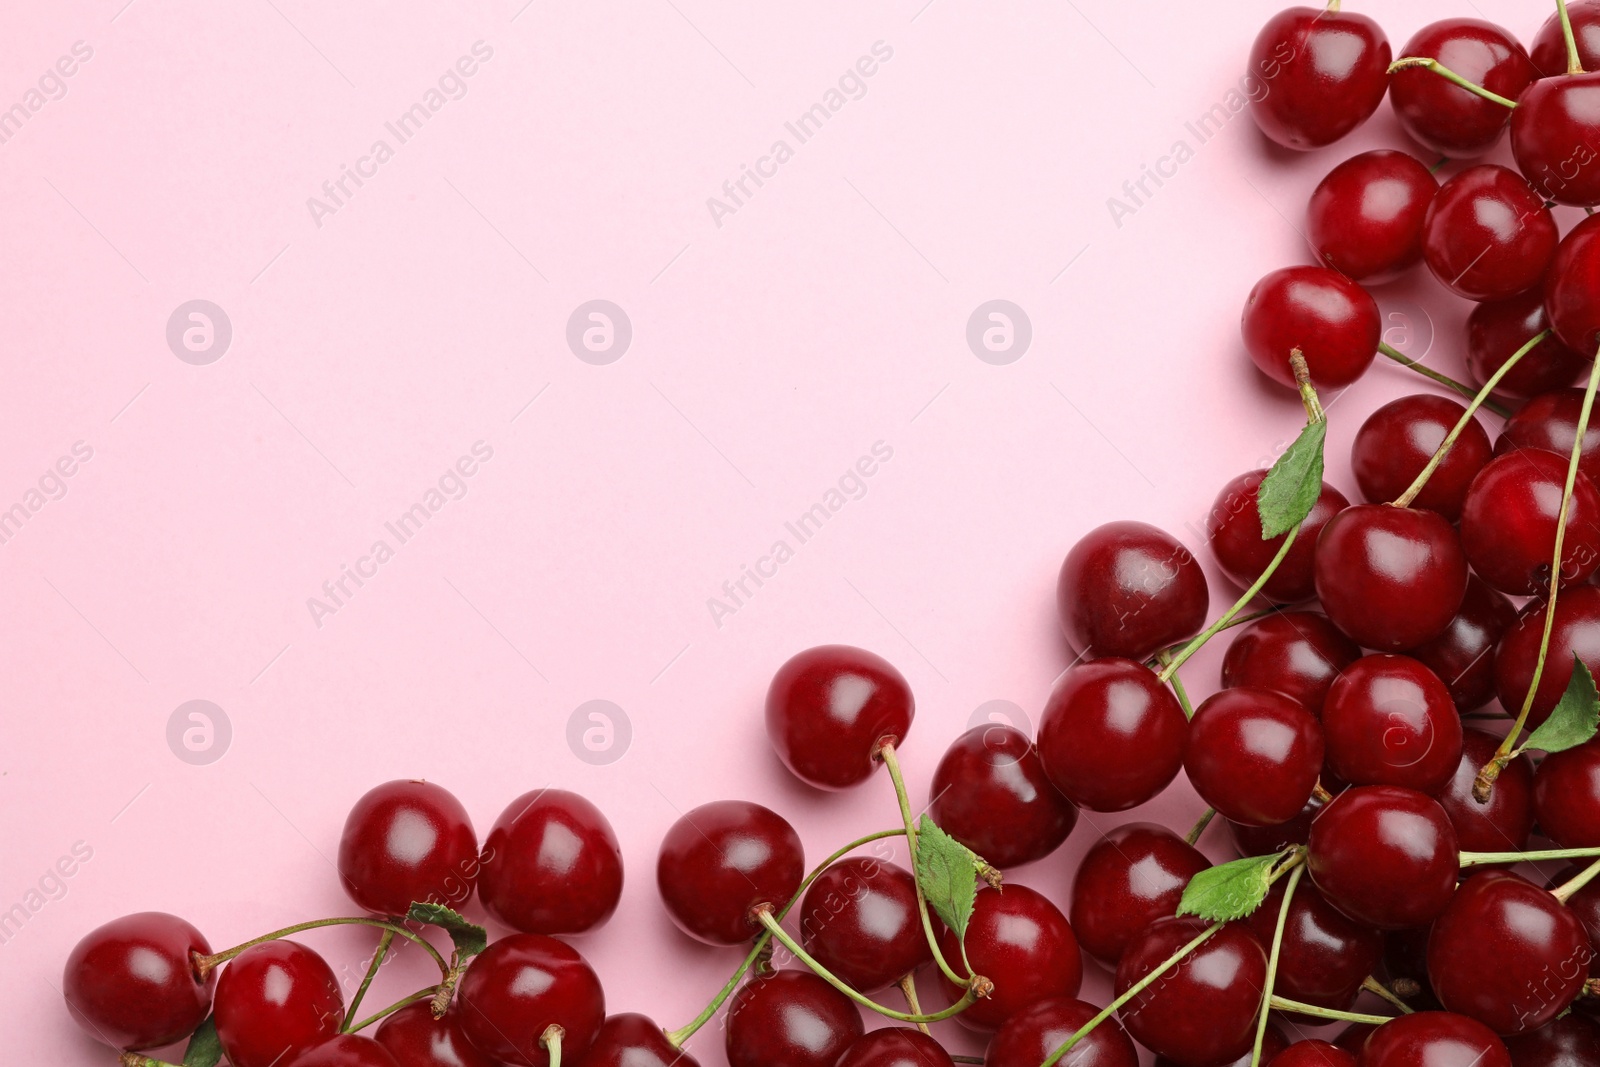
421	994
1449	75
1565	890
1272	964
551	1040
1438	457
134	1059
204	965
1574	64
1443	379
1164	657
1442	160
1239	605
1167	653
1300	1008
372	972
891	761
1475	859
967	1059
1193	836
908	986
1372	985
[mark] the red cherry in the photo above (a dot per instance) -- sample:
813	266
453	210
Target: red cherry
1463	656
1553	131
720	862
1296	653
1569	1041
1399	439
1488	235
405	842
1314	1053
1570	302
131	983
1434	1039
1575	632
1128	589
522	985
1134	875
416	1039
1325	956
790	1019
1549	47
1549	421
1253	755
1365	217
347	1050
990	792
551	865
860	920
1445	118
1585	904
1497	329
1391	578
628	1040
1566	796
1508	527
830	709
1019	941
1330	319
1202	1010
1326	73
1111	736
1036	1031
1234	529
895	1046
1267	840
275	1001
1504	823
1389	721
1384	855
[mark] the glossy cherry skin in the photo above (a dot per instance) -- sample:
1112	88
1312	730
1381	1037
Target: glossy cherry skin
1488	235
1553	131
720	861
1234	529
1397	441
1134	875
1575	632
1548	48
1332	321
790	1019
1566	796
1570	1041
1254	755
1128	589
551	865
1314	1053
1325	955
1327	72
1365	217
1036	1031
522	985
1111	736
1265	840
1390	578
860	920
1504	823
1549	421
1389	721
275	1001
895	1046
1570	302
1024	945
347	1050
1273	1045
416	1039
131	983
830	709
1203	1010
1296	653
1463	656
990	792
1508	527
405	842
628	1040
1585	904
1384	855
1443	117
1497	329
1434	1039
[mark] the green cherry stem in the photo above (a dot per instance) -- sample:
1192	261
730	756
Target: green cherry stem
1161	658
551	1040
1239	605
1372	985
382	950
1477	859
403	1002
1300	1008
1443	379
1165	658
1193	836
204	965
1449	75
891	761
1565	890
135	1059
1574	64
1272	963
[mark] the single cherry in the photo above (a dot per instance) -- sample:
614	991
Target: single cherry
1390	578
551	865
1463	656
1268	840
518	988
1296	653
1570	1041
405	842
1314	1053
1398	440
1575	632
131	983
347	1050
1234	529
1389	721
1326	72
1128	589
991	793
1566	796
1549	421
416	1039
627	1040
1365	217
1585	904
1445	118
1434	1039
722	860
895	1046
1112	735
1508	527
790	1019
1497	330
860	920
1329	319
1325	955
1024	945
1384	855
1549	47
831	708
1134	875
1202	1010
1569	294
1488	235
274	1002
1033	1033
1553	131
1504	823
1254	755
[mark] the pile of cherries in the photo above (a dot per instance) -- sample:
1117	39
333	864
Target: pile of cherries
1381	837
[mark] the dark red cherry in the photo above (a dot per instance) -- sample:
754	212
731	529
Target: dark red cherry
1314	1053
407	841
1398	440
1585	904
1566	796
1202	1010
1234	529
1575	632
1570	1041
1134	875
1111	736
519	987
790	1019
1488	235
990	792
1549	421
722	860
860	920
628	1040
1443	117
1570	300
1384	856
1325	70
895	1046
1128	589
1296	653
1497	330
131	983
1434	1039
347	1050
1330	319
274	1002
1389	721
1504	823
1325	956
1549	47
1273	1045
1553	131
1254	755
1266	840
1365	217
830	709
1033	1033
416	1039
1463	656
551	865
1019	941
1390	578
1508	527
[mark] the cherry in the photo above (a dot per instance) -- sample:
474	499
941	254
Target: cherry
551	865
790	1019
416	1039
1504	823
1254	755
895	1046
1390	578
347	1050
1036	1031
1134	875
1434	1039
1326	70
1549	421
1325	956
1575	632
1569	296
1384	855
1234	529
1508	527
275	1001
1507	953
1397	441
1111	736
1389	721
831	708
1296	653
1569	1041
1314	1053
1463	656
131	983
1273	1045
1332	321
1566	796
1365	217
720	862
1203	1009
1128	589
860	920
1497	329
1445	118
990	792
1549	48
1585	904
1023	944
518	988
1488	235
1553	130
405	842
628	1040
1267	840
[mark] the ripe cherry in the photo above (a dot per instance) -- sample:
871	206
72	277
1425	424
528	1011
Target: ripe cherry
722	860
1296	653
1365	217
1024	945
1389	721
895	1046
1384	855
1267	840
1203	1009
1569	294
1497	329
990	792
1549	47
1569	1041
347	1050
1325	956
416	1039
1549	421
790	1019
1327	71
1575	632
275	1001
627	1040
1254	755
1314	1053
1033	1033
1390	578
1398	440
831	708
1553	131
1488	235
1434	1039
132	984
519	987
405	842
1508	527
1463	656
1134	875
1234	530
1504	823
860	920
1111	736
1331	320
1443	117
1566	796
1128	589
1585	904
551	865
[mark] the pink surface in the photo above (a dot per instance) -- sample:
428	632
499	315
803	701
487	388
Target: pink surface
423	318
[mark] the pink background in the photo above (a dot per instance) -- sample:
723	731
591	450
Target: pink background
429	312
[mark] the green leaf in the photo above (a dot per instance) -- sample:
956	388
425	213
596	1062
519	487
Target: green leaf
1290	489
948	875
1229	891
205	1048
1575	717
468	937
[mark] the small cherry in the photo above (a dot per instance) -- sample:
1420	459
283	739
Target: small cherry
1488	235
521	987
1549	47
790	1019
1254	755
1549	421
1570	300
1023	944
1585	904
1128	589
132	983
1508	526
1497	330
1365	217
1267	840
1570	1041
275	1001
991	793
416	1039
1553	131
1575	632
1327	71
1442	116
551	865
1390	578
347	1050
626	1040
895	1046
1566	796
1389	720
1112	735
1384	855
405	842
831	708
1434	1039
1134	875
859	919
1504	823
1203	1009
1398	440
1234	530
720	862
1033	1033
1329	319
1296	653
1463	656
1314	1053
1325	956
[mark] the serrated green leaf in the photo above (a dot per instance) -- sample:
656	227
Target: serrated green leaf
1575	717
1229	891
205	1047
1290	490
468	937
948	875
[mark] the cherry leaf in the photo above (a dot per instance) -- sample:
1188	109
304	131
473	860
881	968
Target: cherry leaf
947	871
1229	891
468	937
1575	717
1290	490
205	1047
